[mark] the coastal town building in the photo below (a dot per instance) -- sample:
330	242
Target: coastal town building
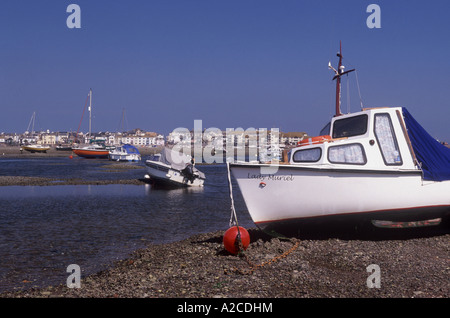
136	137
234	137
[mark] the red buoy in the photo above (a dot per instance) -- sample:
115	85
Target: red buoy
70	157
231	241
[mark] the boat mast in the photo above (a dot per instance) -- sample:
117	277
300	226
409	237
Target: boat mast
31	123
339	72
90	112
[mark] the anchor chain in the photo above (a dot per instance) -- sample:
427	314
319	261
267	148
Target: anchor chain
254	266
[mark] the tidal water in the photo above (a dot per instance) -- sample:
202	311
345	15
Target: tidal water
44	229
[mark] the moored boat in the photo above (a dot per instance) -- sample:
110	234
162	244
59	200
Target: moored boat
125	153
174	169
92	151
375	164
36	148
63	148
96	148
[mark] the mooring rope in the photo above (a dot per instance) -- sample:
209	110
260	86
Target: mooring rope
253	266
233	217
234	222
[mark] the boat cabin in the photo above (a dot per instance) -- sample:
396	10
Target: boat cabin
374	138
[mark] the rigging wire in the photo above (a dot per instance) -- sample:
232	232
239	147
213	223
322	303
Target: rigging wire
87	98
348	95
359	91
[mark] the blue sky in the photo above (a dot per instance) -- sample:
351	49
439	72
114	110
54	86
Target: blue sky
230	63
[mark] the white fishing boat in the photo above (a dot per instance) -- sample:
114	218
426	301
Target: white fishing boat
125	153
174	169
375	164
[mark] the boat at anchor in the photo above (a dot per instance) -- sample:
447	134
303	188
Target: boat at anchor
173	169
374	164
96	149
125	152
92	151
36	148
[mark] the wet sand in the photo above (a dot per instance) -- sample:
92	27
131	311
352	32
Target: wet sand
14	152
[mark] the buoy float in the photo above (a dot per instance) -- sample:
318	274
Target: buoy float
231	241
70	157
314	140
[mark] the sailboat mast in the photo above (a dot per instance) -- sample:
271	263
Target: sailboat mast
90	113
31	123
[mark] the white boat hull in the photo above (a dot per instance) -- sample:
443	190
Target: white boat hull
164	174
296	193
124	157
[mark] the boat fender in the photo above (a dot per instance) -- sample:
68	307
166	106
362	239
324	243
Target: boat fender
236	239
314	140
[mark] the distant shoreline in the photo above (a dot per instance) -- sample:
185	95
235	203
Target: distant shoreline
14	152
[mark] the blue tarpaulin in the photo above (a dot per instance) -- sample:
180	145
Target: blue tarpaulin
130	149
430	153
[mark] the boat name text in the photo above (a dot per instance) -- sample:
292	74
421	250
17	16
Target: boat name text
274	177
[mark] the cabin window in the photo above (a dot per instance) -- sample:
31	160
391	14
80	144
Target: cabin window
351	126
347	154
307	155
384	132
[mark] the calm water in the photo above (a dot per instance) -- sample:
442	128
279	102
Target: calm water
45	229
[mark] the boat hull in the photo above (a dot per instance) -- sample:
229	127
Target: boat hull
124	157
36	149
91	153
294	195
164	175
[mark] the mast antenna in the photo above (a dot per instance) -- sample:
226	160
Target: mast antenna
338	73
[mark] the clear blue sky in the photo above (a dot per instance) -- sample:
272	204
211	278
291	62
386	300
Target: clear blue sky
230	63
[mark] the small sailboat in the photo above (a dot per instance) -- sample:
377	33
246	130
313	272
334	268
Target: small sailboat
36	148
92	151
63	147
32	147
375	164
95	149
174	169
125	152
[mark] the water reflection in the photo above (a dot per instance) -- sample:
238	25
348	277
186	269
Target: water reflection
44	229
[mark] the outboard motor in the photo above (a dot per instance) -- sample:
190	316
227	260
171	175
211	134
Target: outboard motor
188	172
